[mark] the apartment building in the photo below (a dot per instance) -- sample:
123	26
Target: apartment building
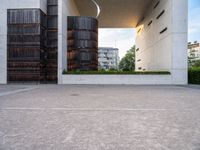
108	58
194	51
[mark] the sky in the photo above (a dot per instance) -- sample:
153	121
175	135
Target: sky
124	39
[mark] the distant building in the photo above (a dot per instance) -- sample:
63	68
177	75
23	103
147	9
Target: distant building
108	58
194	51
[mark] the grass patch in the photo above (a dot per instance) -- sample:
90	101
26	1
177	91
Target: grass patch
116	73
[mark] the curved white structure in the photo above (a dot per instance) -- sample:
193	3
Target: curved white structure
98	8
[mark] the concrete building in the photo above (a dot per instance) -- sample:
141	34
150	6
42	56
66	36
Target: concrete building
161	25
108	58
194	51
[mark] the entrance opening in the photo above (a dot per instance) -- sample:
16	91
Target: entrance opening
116	49
98	50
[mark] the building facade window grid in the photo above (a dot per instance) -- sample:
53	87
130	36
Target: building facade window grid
108	58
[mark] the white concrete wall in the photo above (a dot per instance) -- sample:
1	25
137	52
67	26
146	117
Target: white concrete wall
65	8
118	79
167	51
155	48
11	4
179	66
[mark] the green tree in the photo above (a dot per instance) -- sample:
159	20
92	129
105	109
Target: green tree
191	60
127	63
196	63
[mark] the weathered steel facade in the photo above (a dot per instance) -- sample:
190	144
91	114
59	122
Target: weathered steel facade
33	44
82	52
26	45
52	40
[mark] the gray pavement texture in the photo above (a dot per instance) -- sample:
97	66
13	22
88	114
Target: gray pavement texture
94	117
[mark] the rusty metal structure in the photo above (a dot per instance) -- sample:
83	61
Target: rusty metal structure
26	45
32	44
82	42
52	40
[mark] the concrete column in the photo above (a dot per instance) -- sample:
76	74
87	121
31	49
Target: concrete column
65	8
179	68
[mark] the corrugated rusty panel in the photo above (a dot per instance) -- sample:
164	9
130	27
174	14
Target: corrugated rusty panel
26	45
82	41
52	40
52	2
23	16
33	44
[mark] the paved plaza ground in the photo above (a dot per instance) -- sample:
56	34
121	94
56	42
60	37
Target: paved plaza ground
93	117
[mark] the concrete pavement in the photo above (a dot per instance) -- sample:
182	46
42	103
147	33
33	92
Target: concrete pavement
92	117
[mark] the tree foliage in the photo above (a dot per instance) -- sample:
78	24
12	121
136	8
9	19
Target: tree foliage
193	63
196	63
127	63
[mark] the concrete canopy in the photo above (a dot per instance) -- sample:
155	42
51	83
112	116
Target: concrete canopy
115	13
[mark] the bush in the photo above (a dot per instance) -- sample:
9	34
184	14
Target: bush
64	71
115	72
194	75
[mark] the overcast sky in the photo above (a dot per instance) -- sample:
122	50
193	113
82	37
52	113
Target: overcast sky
124	39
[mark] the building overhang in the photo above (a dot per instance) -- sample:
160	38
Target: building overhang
114	13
